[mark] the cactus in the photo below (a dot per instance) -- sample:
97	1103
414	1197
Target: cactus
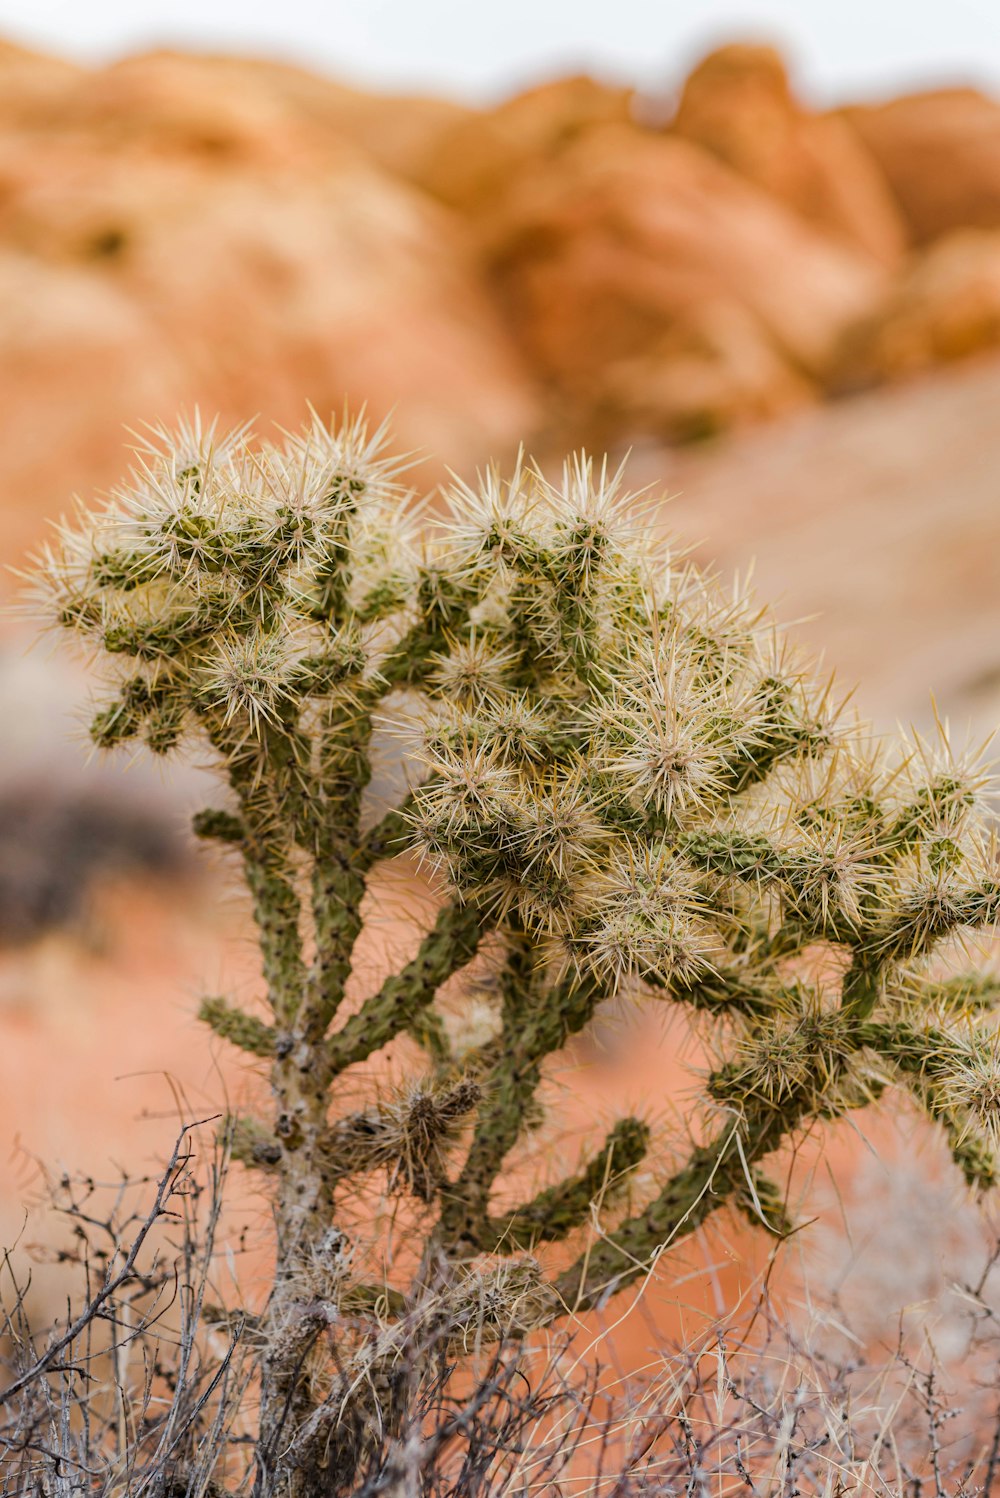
624	782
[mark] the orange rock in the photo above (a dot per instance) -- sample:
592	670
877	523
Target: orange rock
232	110
171	104
946	307
401	132
701	375
940	153
738	104
657	291
31	84
479	160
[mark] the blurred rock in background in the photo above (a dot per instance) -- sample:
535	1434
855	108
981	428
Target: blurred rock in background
576	264
52	847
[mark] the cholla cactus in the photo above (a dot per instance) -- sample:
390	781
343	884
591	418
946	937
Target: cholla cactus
625	782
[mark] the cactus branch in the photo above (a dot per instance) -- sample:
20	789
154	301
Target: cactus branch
389	836
532	1029
713	1174
400	1001
239	1028
559	1210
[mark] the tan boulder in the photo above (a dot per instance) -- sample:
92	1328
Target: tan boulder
946	307
475	163
696	378
739	105
229	109
31	84
225	117
401	132
657	291
940	153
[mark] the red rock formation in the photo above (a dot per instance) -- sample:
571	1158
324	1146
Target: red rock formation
33	84
657	291
940	153
738	104
945	307
401	133
477	162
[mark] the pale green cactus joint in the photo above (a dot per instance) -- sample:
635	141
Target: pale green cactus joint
625	782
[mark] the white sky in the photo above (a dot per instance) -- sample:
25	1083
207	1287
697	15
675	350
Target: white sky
474	48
